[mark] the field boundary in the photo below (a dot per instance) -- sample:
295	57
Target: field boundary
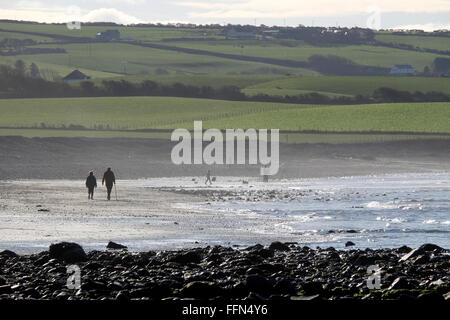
224	130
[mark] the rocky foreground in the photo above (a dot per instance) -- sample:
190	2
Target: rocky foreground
281	271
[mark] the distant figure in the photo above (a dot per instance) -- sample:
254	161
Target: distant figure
91	183
208	177
109	180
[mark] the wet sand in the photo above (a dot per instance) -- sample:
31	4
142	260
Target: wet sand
36	213
72	158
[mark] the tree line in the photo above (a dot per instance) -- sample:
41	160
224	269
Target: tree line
21	81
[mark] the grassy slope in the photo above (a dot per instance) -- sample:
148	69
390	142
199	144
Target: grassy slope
412	117
161	112
118	57
121	113
111	57
349	85
437	43
367	55
143	34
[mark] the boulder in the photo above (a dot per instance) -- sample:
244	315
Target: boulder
8	254
186	257
279	246
259	284
115	246
349	244
399	283
423	249
67	251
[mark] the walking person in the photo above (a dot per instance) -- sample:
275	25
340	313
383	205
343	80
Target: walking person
109	180
91	183
208	177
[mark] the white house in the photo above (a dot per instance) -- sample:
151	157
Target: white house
403	69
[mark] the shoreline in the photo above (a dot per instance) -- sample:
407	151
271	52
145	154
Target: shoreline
279	272
175	213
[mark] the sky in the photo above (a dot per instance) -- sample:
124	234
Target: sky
376	14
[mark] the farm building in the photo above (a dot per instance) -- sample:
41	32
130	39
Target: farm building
108	35
403	69
75	75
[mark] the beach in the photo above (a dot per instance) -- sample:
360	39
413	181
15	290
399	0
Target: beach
310	233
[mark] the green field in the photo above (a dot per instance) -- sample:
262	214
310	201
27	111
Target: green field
409	117
124	58
362	54
128	113
100	60
133	113
347	85
437	43
138	33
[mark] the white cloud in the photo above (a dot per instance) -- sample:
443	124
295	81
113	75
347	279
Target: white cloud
425	27
109	15
64	14
295	8
121	2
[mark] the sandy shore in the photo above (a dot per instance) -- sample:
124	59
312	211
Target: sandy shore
36	213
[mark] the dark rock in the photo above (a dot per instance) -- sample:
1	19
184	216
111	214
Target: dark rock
6	289
399	283
349	243
67	251
306	298
429	247
259	284
423	249
364	260
123	296
115	246
412	254
253	296
8	254
186	257
264	253
285	286
201	289
404	249
279	246
256	247
254	271
92	285
93	266
312	287
430	296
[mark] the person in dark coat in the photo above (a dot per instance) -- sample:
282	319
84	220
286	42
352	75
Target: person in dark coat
109	180
208	177
91	183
